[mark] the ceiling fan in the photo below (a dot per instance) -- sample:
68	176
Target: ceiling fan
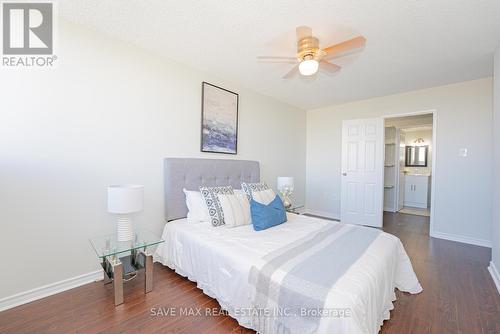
310	57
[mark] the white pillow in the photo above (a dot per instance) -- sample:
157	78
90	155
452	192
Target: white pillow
263	196
236	209
239	191
197	209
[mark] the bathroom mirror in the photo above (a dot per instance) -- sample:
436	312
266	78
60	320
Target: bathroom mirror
416	156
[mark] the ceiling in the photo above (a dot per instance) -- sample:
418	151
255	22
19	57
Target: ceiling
409	123
418	128
411	44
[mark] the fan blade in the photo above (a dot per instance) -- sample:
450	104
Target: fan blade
303	32
289	60
328	67
293	72
345	48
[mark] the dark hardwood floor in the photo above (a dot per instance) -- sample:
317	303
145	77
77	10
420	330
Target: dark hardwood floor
459	297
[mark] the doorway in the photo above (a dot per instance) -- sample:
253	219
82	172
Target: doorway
409	154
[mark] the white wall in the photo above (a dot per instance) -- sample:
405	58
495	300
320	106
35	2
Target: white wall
496	199
109	113
463	202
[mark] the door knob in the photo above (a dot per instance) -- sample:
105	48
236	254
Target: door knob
344	174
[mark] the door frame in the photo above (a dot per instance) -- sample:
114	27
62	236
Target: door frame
398	172
434	156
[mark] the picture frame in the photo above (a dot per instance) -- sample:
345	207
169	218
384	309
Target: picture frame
219	120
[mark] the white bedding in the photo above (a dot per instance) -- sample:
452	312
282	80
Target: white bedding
219	260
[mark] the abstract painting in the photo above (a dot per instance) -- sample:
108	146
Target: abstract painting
219	120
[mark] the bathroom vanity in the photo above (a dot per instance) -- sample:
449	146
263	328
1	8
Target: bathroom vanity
417	190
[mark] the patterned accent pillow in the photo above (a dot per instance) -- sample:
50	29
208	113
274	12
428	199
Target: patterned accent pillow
215	211
248	188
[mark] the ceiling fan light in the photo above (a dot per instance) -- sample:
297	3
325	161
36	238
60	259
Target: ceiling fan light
308	67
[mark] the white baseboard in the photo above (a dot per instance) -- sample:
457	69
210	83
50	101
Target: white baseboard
495	275
48	290
461	238
415	205
440	235
322	214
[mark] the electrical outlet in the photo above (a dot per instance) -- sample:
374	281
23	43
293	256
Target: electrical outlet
462	152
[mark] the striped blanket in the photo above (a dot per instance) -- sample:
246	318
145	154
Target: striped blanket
291	284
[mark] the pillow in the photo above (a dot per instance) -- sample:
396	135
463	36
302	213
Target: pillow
239	192
248	188
197	209
266	216
215	212
259	192
236	209
264	196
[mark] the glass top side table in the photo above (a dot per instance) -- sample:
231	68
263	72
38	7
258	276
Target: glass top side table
297	210
122	260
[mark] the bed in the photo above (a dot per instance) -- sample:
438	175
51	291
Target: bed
286	265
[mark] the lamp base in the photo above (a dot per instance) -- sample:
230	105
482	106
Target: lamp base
124	228
287	203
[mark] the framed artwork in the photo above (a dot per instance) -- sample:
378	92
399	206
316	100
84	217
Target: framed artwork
219	120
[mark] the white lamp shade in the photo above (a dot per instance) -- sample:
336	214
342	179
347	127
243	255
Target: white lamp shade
125	198
285	182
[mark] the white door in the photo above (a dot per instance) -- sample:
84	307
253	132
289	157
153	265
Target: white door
362	172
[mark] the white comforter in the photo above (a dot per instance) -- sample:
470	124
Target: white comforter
219	260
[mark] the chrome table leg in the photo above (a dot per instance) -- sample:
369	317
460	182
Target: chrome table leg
118	281
107	271
148	270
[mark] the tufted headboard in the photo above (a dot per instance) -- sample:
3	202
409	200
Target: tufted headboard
192	173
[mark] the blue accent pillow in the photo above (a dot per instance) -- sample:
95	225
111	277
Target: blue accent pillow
266	216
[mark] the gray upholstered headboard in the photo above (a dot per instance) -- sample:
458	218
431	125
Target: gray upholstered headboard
191	173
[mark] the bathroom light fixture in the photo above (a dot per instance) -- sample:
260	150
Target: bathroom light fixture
419	141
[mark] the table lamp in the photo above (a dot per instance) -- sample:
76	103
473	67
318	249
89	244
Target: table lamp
124	200
285	188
